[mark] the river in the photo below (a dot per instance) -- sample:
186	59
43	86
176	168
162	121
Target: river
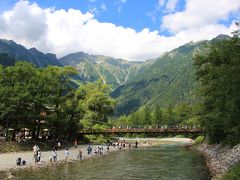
167	161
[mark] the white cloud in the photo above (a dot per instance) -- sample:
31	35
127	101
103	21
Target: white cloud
24	22
63	32
198	13
171	5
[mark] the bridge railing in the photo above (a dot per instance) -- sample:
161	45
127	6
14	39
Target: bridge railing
141	130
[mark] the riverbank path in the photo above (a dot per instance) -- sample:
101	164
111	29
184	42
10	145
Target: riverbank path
8	160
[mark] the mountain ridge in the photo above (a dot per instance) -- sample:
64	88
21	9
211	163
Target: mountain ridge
32	55
92	67
167	81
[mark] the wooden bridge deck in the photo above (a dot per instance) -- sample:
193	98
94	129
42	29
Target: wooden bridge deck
142	130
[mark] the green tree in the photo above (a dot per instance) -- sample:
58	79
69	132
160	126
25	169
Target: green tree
59	91
170	117
6	60
101	106
218	72
183	112
157	117
16	87
98	104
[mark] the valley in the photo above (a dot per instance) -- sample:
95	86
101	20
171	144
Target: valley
122	89
164	81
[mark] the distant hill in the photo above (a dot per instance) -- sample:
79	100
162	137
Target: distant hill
20	53
115	72
6	60
168	81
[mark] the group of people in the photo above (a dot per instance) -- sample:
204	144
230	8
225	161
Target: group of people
66	154
54	156
20	162
99	151
79	155
122	145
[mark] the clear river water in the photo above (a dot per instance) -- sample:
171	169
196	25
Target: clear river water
171	162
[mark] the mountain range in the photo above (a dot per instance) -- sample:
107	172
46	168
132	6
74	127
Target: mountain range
19	52
115	72
165	81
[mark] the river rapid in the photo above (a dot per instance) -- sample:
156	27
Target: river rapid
166	161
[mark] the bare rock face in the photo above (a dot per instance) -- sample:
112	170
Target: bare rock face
220	158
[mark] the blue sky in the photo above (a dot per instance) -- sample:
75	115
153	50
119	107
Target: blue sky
136	14
129	29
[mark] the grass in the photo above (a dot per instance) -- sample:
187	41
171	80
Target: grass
180	136
12	146
3	174
233	174
199	139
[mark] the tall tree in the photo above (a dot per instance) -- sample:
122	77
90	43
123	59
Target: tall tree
16	85
59	88
157	117
97	102
218	72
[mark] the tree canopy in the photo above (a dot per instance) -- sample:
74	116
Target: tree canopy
38	99
218	72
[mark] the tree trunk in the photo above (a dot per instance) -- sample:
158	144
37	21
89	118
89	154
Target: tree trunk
7	126
38	129
33	130
13	135
69	133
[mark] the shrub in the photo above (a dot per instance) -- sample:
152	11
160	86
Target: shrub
199	139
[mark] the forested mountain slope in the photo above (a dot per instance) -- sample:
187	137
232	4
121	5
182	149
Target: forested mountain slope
6	60
168	81
20	53
112	71
165	81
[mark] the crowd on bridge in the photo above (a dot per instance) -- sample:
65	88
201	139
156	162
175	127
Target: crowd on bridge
157	127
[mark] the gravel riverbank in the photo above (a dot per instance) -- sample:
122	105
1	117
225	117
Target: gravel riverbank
220	159
8	160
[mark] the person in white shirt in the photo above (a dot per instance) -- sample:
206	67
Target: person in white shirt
66	154
38	156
